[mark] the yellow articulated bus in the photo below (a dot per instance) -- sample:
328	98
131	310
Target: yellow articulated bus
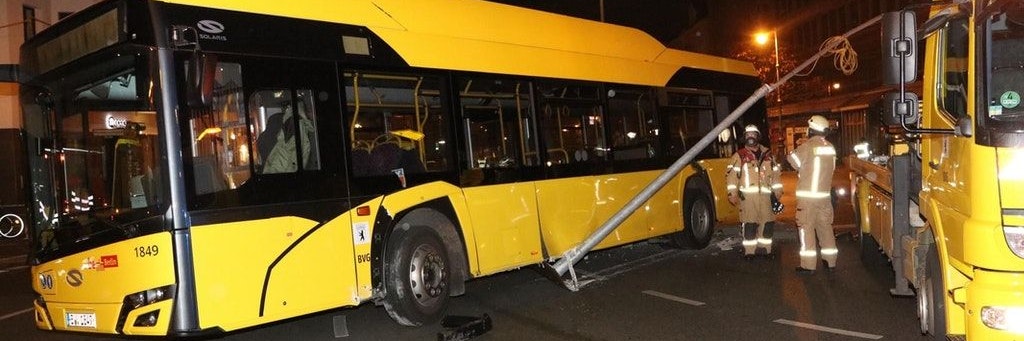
205	166
946	201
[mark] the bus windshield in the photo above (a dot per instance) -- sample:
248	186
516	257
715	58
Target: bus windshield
95	163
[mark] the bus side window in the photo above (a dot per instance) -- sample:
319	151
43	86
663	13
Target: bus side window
498	123
397	124
688	115
633	125
572	121
277	120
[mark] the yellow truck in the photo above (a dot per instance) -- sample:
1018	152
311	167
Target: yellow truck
945	203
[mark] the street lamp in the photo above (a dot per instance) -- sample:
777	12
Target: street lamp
762	38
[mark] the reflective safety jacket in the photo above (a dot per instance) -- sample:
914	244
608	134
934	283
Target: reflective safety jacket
814	160
753	172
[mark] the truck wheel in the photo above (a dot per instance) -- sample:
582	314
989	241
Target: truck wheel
417	275
698	222
931	301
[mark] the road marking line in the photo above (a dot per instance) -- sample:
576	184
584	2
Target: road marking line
828	330
16	313
673	298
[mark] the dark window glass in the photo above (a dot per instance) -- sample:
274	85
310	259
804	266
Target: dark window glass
500	129
633	123
572	123
398	124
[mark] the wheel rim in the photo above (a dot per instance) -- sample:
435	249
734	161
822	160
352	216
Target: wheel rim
924	311
700	219
427	275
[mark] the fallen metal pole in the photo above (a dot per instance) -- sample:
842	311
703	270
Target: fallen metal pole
573	255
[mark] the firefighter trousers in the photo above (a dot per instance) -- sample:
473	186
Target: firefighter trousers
814	221
757	236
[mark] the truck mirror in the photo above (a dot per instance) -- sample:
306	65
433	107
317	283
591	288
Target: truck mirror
897	111
202	75
899	45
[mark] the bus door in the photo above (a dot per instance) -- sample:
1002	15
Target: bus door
580	191
500	162
687	115
268	195
634	131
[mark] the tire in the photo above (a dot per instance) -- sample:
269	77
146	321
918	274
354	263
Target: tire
698	222
931	301
417	277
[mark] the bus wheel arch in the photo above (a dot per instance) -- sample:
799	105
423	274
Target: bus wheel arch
424	243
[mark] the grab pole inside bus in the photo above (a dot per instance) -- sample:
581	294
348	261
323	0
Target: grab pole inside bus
574	254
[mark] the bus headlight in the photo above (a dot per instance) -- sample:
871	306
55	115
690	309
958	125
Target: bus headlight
143	298
1015	239
1003	318
148	297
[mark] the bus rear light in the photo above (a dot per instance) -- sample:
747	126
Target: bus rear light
1003	318
1015	239
363	211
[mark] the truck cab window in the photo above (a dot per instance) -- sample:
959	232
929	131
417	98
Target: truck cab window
952	75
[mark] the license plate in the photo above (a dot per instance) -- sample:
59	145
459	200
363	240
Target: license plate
80	320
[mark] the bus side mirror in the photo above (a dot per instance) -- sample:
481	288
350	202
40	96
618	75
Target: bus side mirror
202	77
899	42
900	112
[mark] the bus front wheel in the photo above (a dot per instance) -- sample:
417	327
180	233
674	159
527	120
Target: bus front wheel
417	277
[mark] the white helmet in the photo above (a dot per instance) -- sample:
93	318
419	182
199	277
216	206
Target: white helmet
750	128
818	123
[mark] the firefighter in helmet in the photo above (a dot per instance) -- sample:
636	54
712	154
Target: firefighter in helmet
752	179
815	160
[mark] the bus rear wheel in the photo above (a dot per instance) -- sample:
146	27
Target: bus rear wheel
698	222
417	277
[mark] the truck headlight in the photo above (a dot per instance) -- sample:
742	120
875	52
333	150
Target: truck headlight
1010	319
1015	239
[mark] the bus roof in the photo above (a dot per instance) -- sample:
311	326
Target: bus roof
481	36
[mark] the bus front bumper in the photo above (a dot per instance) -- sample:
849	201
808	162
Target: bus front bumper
994	303
105	318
